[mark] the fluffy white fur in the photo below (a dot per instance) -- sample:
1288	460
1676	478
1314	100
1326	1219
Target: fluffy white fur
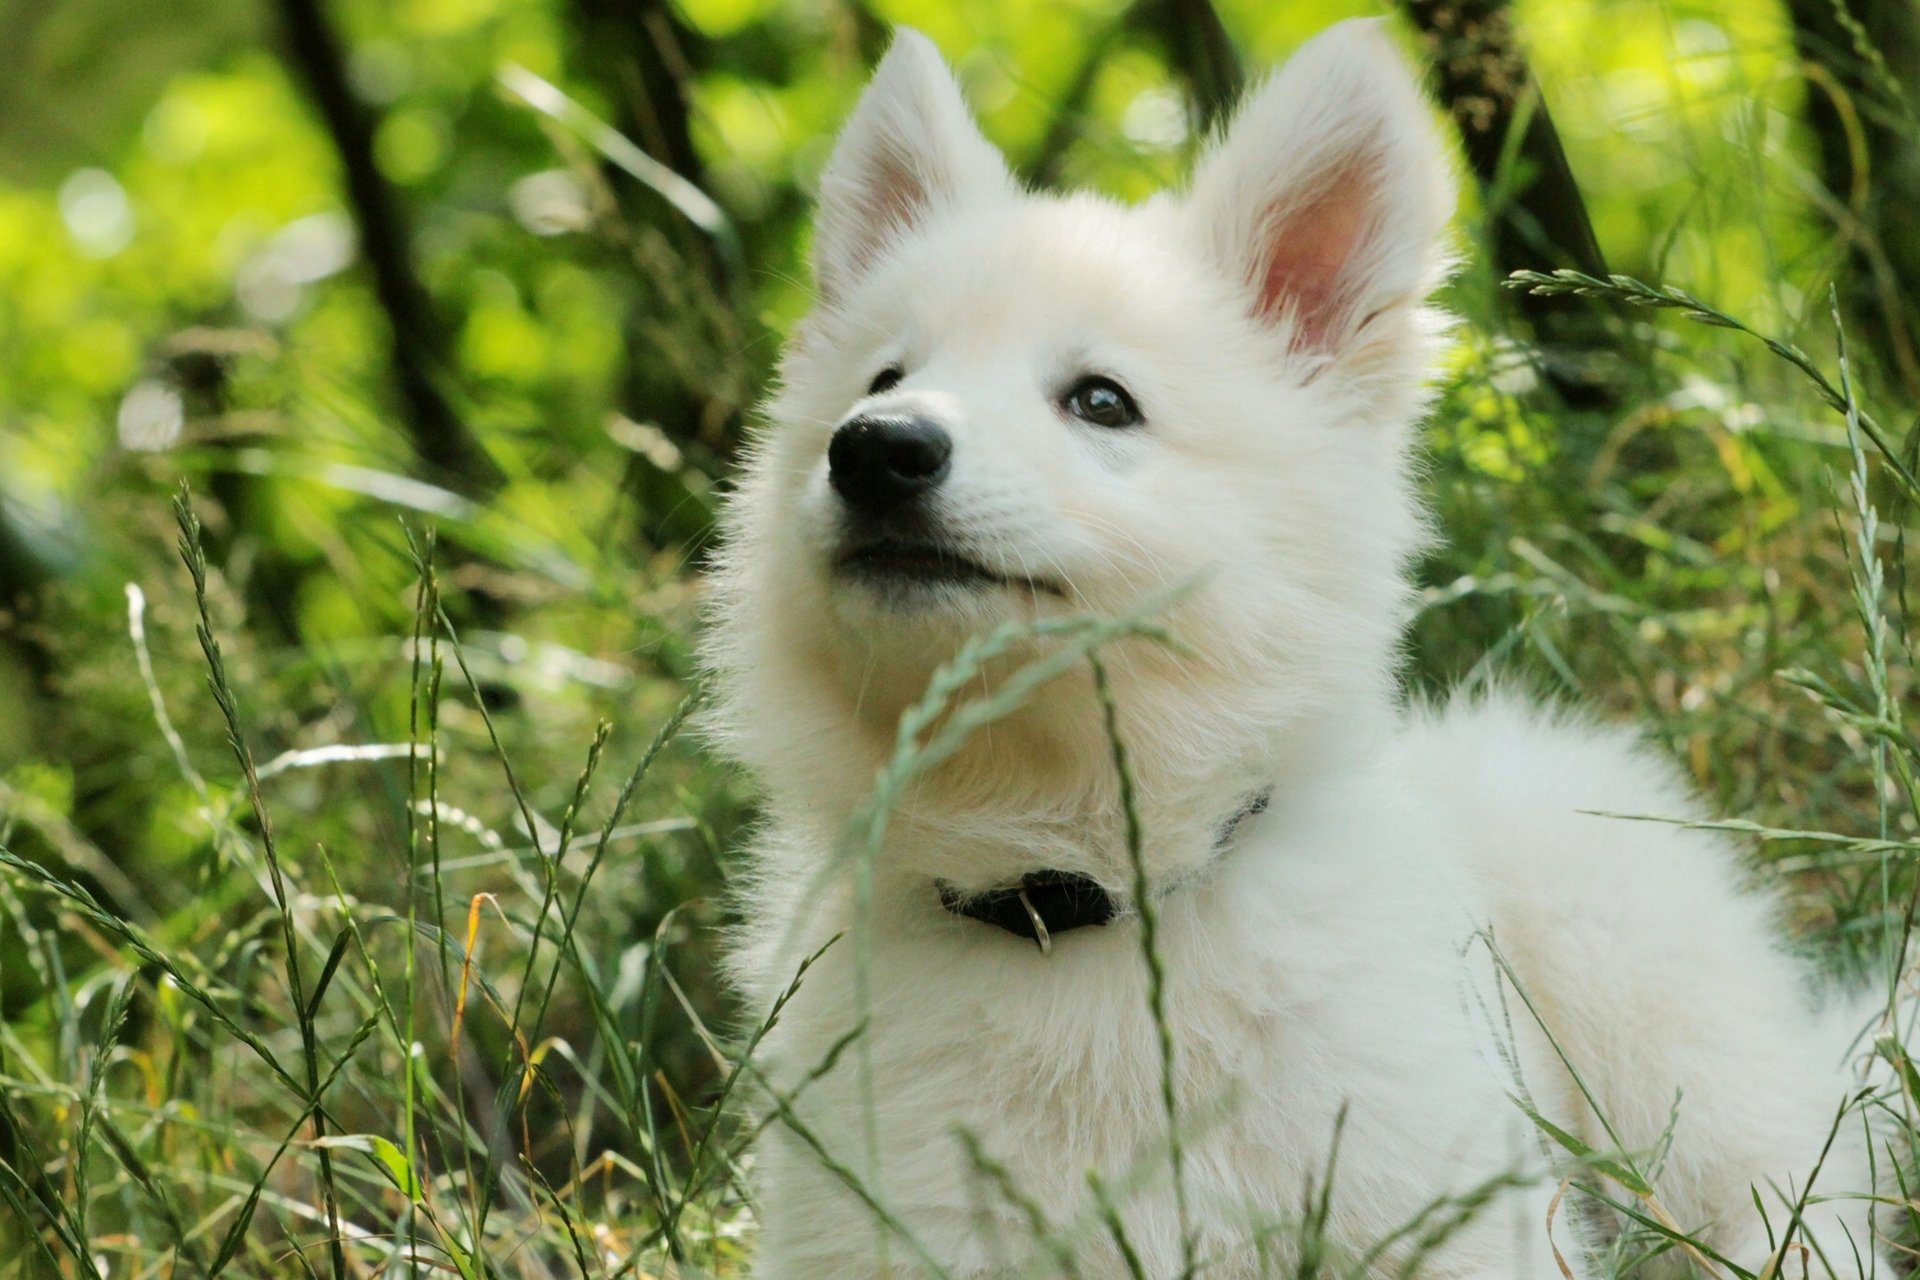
1272	324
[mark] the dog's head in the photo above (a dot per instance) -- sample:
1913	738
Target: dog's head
1011	405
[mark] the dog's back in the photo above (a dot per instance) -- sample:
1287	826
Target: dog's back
1649	967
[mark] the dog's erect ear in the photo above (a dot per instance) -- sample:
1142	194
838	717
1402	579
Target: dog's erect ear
910	149
1330	193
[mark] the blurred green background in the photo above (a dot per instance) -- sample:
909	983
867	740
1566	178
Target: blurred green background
516	270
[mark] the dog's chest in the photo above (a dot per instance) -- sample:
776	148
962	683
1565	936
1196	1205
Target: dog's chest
1002	1070
1054	1064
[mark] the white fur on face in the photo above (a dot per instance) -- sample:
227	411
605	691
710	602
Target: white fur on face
1269	326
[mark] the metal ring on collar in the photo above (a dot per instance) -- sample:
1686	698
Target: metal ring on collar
1040	934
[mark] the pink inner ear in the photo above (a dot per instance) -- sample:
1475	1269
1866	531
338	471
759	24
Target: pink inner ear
890	200
1307	249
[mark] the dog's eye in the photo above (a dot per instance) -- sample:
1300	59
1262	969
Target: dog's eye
1102	402
885	380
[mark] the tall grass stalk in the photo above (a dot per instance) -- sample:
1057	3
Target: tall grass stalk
1150	953
195	556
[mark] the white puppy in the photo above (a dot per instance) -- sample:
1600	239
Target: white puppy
1012	407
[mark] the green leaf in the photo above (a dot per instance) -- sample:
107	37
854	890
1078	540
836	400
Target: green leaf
1611	1167
398	1167
392	1160
327	971
1889	1048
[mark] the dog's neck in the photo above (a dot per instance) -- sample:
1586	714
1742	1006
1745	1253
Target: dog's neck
980	844
1044	903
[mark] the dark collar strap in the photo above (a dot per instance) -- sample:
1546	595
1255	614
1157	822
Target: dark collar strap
1042	904
1048	902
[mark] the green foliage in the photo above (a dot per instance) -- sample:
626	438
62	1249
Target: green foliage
323	946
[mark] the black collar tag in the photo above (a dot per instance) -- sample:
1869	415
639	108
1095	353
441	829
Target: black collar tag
1048	902
1042	904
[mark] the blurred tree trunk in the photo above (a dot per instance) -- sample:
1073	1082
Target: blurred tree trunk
1538	216
417	352
646	60
1198	50
24	575
1863	65
639	51
22	572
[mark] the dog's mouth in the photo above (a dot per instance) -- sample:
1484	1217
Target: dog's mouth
894	565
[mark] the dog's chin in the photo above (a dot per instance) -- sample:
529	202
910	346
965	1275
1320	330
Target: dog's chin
926	577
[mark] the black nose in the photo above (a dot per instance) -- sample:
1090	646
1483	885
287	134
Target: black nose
877	464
